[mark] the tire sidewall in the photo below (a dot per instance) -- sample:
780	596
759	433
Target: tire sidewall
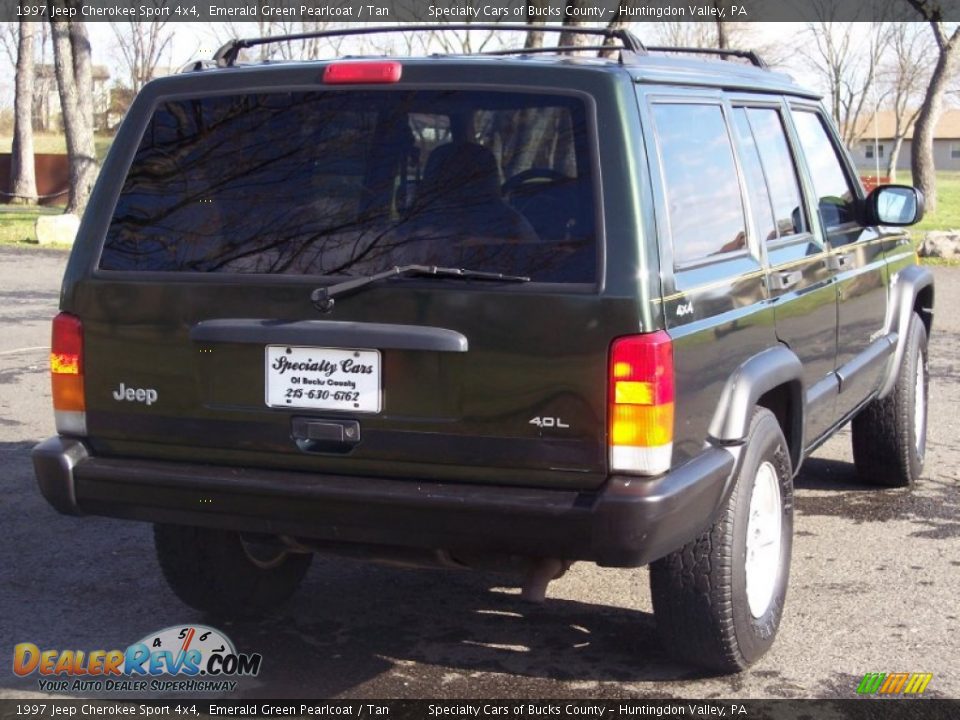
210	570
916	352
766	444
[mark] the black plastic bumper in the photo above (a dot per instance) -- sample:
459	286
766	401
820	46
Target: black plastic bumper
629	522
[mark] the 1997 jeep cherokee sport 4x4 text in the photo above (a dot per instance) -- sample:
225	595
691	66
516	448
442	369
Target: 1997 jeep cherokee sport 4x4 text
484	312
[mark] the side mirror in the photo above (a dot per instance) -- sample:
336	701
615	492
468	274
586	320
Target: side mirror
894	205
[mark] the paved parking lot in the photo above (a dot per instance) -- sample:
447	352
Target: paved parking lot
874	588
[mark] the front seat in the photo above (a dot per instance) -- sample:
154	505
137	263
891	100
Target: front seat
459	217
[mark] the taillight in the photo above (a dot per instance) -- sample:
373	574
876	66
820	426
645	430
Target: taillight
641	404
66	374
362	72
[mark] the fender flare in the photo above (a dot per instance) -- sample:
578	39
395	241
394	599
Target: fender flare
760	374
905	286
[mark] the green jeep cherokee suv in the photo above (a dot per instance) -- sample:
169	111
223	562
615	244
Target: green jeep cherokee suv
512	311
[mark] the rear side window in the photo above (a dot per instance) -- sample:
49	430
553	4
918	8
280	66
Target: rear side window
830	182
779	170
760	204
701	181
352	183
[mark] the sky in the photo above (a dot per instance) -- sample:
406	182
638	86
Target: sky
192	41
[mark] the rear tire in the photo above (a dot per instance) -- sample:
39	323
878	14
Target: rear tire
217	572
719	599
890	435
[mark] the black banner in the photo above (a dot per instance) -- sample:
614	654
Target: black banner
479	11
514	709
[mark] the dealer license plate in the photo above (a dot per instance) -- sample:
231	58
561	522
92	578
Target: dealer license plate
323	378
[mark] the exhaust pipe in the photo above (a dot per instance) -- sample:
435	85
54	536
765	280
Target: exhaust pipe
540	573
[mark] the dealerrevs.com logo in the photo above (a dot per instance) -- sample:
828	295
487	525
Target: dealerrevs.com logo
182	658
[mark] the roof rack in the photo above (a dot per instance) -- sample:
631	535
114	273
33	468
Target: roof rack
746	54
227	55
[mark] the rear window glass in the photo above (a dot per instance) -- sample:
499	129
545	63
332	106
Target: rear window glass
352	183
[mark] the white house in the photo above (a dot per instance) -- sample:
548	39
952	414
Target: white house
877	144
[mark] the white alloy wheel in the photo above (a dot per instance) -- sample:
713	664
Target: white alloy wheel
763	540
920	407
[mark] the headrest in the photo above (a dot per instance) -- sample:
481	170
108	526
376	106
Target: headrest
462	171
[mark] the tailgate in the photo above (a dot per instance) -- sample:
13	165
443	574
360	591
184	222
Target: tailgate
202	342
461	395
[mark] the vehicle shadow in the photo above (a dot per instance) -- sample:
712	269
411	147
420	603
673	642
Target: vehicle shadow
353	629
353	621
933	506
825	474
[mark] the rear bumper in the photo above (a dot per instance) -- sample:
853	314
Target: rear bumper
629	522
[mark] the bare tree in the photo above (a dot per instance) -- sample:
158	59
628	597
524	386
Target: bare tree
9	39
535	19
570	19
902	80
610	45
406	43
948	51
71	54
685	34
847	57
465	41
142	45
22	174
723	41
308	49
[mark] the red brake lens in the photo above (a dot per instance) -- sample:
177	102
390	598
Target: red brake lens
66	346
352	73
646	359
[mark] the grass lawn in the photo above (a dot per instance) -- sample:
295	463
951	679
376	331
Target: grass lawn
17	223
947	216
57	144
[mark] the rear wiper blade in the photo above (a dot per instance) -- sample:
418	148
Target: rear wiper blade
323	297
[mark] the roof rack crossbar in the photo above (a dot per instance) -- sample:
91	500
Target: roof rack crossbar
746	54
553	49
227	55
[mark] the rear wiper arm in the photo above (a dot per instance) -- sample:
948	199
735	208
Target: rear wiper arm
323	297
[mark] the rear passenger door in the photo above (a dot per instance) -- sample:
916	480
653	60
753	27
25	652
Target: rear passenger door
715	302
800	280
856	255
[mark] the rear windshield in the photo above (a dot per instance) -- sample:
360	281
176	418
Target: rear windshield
352	183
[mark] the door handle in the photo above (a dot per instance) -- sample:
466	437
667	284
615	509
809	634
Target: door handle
839	262
787	279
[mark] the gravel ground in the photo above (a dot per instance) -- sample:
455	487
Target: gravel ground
874	582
